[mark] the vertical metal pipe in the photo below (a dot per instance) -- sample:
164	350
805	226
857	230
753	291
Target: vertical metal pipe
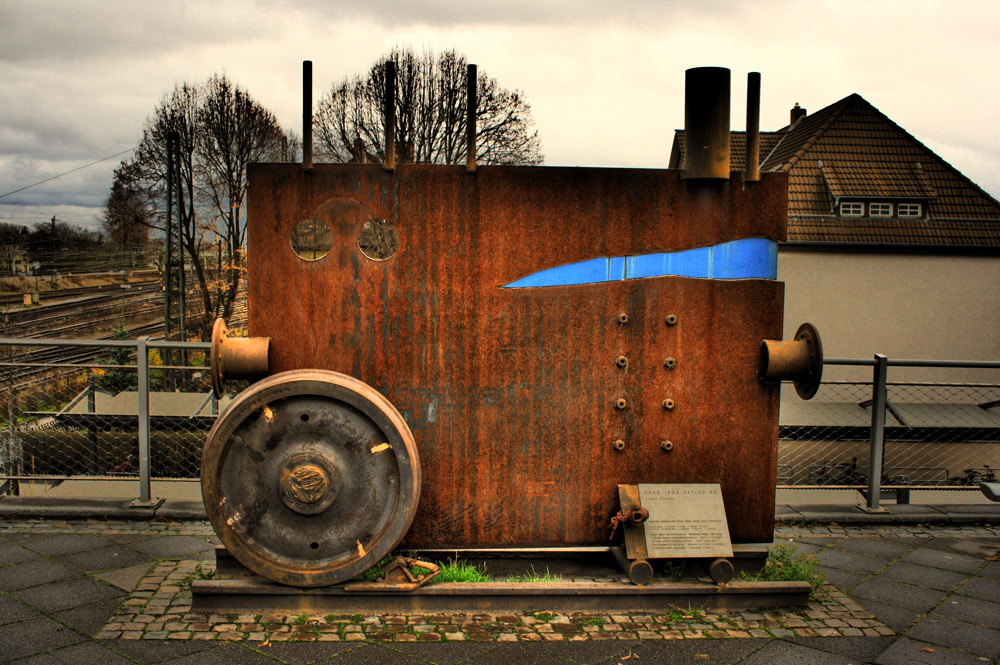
168	259
145	480
752	171
470	118
307	118
876	448
390	116
706	123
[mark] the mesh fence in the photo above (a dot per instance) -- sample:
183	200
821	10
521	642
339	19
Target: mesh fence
63	415
936	434
72	412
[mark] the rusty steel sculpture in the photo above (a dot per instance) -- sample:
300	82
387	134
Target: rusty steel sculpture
477	356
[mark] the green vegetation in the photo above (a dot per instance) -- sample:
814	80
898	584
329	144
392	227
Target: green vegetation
461	571
300	619
534	576
674	570
784	565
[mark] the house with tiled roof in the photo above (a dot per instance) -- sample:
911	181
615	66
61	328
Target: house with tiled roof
890	248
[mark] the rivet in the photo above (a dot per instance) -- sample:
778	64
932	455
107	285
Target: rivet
668	404
622	318
622	362
671	319
618	445
667	445
669	363
620	403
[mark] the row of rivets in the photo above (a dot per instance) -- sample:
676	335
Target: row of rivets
619	445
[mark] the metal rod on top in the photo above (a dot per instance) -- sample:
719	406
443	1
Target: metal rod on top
751	172
307	118
470	118
390	116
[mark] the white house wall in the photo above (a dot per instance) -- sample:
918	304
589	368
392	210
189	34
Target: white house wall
904	305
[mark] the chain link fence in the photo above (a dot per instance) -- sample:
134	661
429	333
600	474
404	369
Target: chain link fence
72	411
936	435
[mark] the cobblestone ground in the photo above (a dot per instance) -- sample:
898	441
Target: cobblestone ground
158	606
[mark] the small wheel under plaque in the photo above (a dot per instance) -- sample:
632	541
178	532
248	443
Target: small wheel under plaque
310	477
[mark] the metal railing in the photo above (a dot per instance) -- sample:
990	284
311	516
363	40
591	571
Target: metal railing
941	435
67	412
64	391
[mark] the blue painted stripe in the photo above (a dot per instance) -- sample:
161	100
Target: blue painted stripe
749	258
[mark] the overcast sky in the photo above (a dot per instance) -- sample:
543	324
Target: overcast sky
604	78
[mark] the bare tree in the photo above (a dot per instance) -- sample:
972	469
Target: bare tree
221	129
430	115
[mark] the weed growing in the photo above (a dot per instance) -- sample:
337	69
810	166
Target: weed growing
784	565
534	576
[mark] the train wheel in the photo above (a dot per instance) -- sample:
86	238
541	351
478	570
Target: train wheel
310	477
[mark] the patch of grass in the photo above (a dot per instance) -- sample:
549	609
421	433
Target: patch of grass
330	618
300	619
461	571
534	576
591	621
375	571
544	617
785	565
198	574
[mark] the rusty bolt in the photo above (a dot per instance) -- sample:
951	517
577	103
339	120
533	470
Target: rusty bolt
620	403
622	318
667	445
668	404
618	445
671	319
669	363
622	362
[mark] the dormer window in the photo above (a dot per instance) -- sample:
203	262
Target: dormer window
910	210
880	210
852	209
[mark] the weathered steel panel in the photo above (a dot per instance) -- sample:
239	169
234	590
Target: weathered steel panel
510	392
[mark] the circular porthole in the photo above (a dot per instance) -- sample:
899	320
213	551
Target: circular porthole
378	239
311	239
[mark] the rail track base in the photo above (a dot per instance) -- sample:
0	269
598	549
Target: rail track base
236	590
252	596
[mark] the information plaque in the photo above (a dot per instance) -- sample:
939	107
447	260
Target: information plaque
685	521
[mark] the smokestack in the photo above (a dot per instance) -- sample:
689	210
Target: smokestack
797	112
307	118
706	123
751	172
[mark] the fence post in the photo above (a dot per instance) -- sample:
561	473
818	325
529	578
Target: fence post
145	499
876	449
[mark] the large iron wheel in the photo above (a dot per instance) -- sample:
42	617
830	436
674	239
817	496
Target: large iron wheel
310	477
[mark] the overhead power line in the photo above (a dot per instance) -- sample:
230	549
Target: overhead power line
79	168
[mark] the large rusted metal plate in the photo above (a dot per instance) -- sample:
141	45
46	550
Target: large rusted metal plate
511	393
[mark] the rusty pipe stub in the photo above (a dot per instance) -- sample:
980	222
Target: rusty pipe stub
236	357
800	361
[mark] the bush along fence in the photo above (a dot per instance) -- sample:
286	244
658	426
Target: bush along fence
138	409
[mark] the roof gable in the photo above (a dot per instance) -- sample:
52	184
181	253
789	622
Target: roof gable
852	150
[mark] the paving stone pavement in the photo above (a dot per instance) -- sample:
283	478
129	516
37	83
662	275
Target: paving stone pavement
118	592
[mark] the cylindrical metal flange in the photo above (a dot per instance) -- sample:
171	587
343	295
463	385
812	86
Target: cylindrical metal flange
800	361
310	477
706	123
236	357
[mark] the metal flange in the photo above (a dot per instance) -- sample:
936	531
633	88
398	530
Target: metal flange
800	361
236	357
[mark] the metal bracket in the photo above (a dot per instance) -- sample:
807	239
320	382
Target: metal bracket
151	503
398	576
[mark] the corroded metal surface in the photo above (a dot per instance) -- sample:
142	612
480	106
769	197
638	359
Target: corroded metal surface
310	477
512	394
800	360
